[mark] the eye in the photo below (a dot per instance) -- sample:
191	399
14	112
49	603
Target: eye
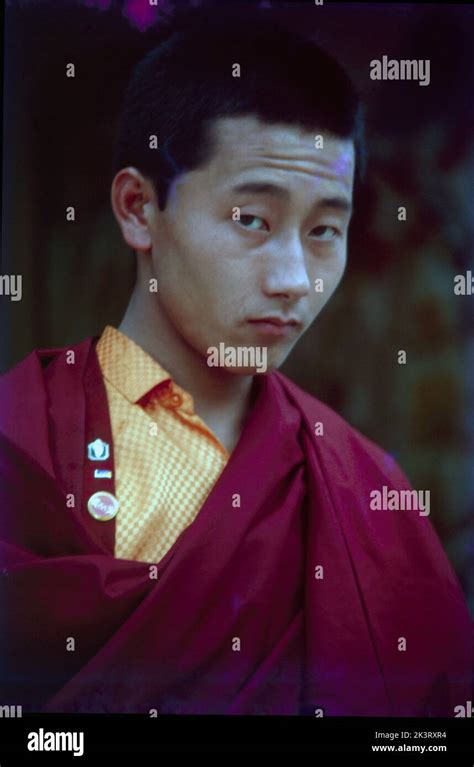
328	232
250	219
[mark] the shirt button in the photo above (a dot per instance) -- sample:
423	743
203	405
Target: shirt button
172	399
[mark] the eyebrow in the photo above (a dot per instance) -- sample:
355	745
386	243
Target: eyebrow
275	190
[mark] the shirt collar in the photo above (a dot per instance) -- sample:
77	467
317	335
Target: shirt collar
126	366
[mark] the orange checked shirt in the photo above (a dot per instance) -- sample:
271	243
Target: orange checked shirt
166	458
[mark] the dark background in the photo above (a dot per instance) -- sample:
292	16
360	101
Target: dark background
398	289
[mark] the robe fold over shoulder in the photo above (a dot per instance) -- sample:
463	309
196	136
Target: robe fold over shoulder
299	598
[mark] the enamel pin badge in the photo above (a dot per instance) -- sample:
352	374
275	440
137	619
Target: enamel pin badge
98	450
103	506
103	474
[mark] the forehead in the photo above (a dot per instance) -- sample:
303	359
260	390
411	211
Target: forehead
244	144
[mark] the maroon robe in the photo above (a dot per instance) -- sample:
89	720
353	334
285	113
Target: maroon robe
236	576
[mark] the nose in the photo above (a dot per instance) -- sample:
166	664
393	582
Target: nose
285	271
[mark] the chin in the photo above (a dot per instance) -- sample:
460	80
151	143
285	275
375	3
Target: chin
243	371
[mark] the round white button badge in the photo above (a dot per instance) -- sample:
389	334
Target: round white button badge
103	506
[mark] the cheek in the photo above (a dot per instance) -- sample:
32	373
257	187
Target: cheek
197	293
330	269
325	278
202	272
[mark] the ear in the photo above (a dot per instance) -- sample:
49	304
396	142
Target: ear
131	195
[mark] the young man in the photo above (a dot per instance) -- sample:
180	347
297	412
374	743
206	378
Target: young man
185	530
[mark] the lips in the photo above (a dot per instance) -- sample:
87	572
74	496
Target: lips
278	321
275	327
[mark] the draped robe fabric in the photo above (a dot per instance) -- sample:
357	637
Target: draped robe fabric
291	603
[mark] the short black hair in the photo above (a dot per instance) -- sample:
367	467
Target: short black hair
184	83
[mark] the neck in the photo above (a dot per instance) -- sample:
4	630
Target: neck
221	399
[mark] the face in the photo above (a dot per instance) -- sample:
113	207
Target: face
251	235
